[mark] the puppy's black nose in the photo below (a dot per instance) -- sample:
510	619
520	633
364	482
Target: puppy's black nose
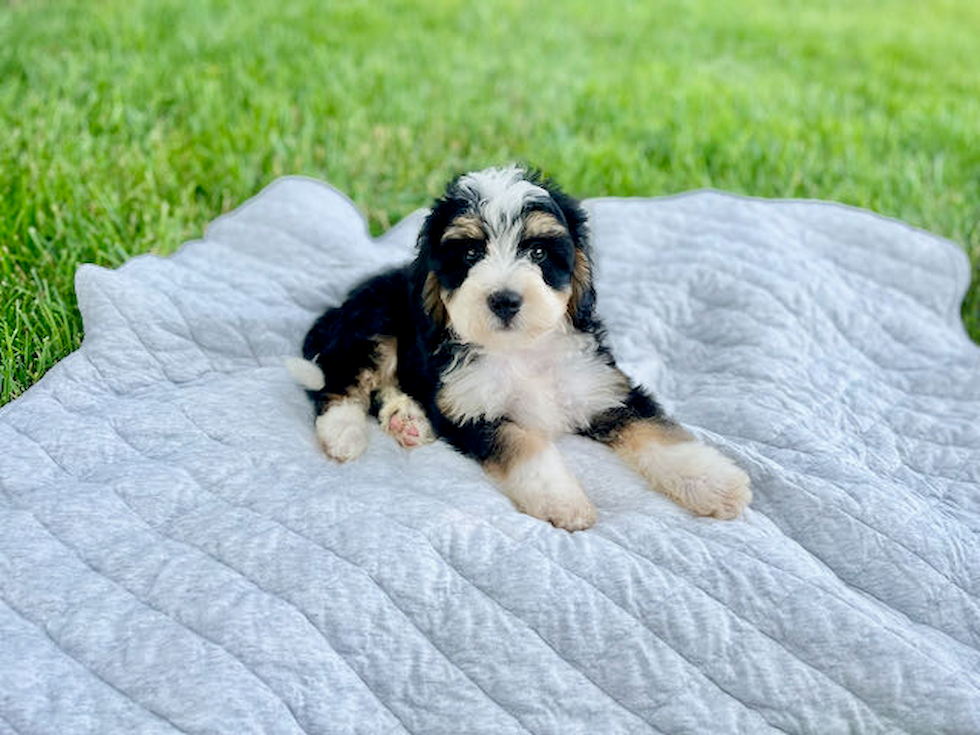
505	304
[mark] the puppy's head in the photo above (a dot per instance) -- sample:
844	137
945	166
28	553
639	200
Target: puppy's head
505	259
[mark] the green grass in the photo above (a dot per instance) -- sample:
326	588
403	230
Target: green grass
126	126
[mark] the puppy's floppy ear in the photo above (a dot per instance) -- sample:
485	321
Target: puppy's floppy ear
432	301
426	285
582	302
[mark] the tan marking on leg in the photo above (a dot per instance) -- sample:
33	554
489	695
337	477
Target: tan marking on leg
532	473
514	444
382	372
386	361
342	426
637	435
692	474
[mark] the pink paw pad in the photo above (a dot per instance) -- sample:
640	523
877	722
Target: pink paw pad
403	428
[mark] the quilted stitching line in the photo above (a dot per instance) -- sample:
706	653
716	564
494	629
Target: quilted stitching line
656	635
686	531
799	579
265	591
522	621
938	501
335	268
692	534
310	247
285	601
681	655
105	382
926	267
689	582
236	288
719	230
316	542
367	511
969	593
856	350
760	560
146	708
135	331
334	553
862	590
818	306
190	336
289	529
7	721
932	503
219	561
197	343
561	566
286	295
259	225
40	446
770	467
146	603
237	571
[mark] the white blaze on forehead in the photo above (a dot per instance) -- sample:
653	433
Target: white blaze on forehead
499	198
500	195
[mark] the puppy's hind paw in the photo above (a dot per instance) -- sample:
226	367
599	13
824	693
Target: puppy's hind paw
404	419
343	431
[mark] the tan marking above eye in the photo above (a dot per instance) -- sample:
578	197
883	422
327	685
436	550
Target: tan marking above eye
464	227
543	224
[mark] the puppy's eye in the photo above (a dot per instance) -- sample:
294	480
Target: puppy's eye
472	254
537	254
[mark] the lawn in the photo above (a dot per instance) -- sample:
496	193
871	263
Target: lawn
126	126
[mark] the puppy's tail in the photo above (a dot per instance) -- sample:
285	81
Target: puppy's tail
307	373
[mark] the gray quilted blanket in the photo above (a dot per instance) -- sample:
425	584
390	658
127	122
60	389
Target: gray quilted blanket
176	554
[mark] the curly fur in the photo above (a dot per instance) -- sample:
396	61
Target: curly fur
491	332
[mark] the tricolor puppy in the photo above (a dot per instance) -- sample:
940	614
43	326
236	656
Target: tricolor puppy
489	340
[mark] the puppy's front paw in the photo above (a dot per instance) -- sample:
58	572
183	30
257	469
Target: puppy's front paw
404	419
571	511
541	486
703	480
343	431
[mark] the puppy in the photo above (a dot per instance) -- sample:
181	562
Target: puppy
489	339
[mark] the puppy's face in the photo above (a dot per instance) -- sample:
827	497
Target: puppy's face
506	256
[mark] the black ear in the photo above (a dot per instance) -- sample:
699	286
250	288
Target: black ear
443	211
425	284
582	303
575	217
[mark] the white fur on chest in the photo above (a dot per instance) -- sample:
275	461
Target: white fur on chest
556	386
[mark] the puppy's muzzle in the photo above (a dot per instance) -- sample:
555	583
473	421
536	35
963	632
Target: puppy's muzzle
505	304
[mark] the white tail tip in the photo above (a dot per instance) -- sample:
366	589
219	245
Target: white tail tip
307	374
